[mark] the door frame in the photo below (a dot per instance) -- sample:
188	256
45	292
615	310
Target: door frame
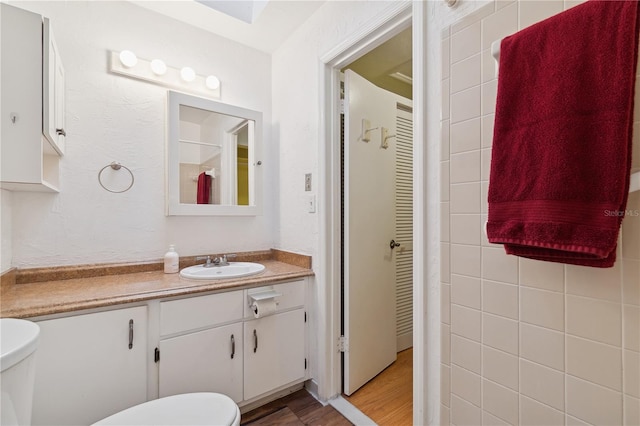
426	258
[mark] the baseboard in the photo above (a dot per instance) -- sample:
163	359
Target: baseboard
404	341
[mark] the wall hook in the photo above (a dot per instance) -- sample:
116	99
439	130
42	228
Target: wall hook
366	129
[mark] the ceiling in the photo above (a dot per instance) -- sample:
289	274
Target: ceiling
277	21
389	65
273	25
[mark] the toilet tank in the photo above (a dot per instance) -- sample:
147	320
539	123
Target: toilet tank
18	343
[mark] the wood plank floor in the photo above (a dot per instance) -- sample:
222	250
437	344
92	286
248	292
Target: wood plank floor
297	408
388	398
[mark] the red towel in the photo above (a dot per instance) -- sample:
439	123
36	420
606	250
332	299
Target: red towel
562	140
204	188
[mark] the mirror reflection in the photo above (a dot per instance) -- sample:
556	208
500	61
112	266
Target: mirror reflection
214	157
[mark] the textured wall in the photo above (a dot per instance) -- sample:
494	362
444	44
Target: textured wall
110	117
6	201
523	341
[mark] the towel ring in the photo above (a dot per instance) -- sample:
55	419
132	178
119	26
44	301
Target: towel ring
115	166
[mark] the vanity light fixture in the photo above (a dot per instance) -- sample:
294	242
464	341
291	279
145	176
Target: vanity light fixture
158	67
158	72
187	74
128	58
212	82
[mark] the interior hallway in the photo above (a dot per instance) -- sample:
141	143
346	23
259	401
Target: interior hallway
388	398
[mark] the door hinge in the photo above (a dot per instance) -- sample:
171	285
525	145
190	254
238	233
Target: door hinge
156	355
305	363
343	344
305	316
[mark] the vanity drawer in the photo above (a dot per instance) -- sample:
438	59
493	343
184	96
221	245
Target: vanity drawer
199	312
292	296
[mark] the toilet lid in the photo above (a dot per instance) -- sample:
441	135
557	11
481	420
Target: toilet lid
186	409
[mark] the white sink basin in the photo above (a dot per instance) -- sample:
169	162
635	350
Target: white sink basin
232	270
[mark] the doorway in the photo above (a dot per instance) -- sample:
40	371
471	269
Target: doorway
377	231
426	297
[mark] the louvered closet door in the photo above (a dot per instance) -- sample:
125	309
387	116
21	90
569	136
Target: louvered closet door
404	227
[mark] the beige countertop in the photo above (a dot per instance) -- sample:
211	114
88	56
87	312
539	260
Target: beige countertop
34	299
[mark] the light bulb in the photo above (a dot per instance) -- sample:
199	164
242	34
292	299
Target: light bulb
158	67
187	74
128	58
212	82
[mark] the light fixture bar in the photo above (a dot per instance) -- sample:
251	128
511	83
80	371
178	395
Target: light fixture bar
171	78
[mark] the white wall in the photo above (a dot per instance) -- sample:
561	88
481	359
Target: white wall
297	108
6	201
110	117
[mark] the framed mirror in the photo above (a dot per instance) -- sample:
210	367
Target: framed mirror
213	165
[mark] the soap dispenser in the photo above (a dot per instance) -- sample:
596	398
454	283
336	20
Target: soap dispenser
171	261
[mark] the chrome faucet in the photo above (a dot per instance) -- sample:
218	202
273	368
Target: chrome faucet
216	261
222	260
208	264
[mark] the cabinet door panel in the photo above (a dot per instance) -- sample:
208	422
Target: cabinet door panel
274	352
202	362
85	370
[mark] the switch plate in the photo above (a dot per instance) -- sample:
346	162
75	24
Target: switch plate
311	203
307	182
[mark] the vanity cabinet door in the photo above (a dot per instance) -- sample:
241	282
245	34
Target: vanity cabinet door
274	352
204	361
90	366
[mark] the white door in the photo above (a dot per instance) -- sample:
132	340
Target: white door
90	366
205	361
273	352
369	228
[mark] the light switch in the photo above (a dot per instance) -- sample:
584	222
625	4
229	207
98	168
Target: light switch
311	203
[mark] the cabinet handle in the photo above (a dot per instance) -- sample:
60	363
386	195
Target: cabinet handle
233	346
255	340
61	132
130	334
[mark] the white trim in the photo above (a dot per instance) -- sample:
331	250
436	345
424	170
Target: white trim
426	228
351	412
426	395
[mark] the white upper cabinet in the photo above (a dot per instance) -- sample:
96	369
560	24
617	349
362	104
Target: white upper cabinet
32	104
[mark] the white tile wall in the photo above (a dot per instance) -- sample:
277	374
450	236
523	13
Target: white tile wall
500	401
465	136
529	342
465	384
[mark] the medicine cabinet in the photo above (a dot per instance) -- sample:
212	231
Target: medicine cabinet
213	158
33	102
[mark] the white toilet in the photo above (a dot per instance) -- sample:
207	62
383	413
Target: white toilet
18	343
19	340
203	408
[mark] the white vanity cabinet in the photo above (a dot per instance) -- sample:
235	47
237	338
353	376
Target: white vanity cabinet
32	122
90	366
213	343
206	355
